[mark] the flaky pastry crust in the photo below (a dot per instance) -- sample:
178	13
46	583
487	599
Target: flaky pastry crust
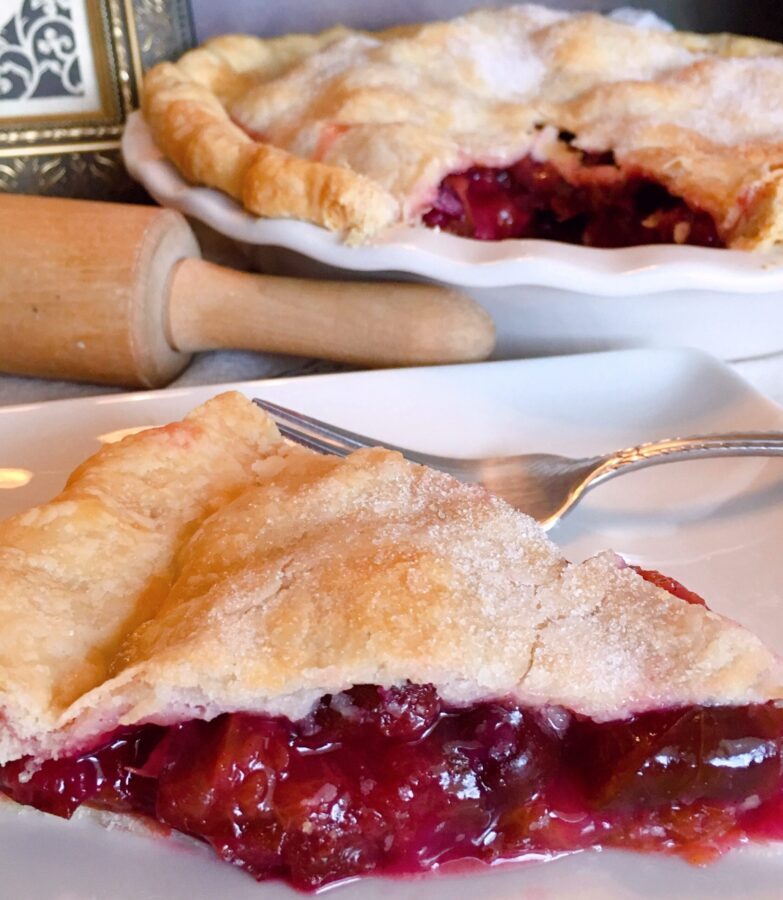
354	131
78	573
125	601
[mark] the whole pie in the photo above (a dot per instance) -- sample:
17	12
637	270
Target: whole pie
327	668
514	122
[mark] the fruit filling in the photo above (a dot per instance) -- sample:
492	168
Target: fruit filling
393	781
588	201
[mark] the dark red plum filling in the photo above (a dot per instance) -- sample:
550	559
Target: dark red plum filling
392	781
594	205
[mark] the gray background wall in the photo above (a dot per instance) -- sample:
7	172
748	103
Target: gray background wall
761	17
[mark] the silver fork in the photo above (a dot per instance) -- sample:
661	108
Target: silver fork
543	485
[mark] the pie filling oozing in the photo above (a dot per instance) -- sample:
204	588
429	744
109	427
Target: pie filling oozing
588	201
392	781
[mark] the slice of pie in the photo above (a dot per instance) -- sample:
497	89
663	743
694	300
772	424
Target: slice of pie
327	668
513	122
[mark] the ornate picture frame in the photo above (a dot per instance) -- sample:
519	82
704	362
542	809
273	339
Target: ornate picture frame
70	72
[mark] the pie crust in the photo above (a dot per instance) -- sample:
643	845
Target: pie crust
207	567
355	131
82	571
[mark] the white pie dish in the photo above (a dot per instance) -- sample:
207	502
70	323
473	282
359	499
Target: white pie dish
546	297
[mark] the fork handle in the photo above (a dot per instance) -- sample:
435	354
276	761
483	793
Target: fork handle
748	443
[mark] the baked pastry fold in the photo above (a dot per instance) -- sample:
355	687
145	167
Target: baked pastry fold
83	571
356	131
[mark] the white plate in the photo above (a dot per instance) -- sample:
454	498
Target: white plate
714	524
545	296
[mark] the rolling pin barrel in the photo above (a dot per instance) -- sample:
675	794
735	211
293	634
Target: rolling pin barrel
84	290
118	294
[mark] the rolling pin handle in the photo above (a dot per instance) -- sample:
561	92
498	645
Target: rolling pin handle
378	324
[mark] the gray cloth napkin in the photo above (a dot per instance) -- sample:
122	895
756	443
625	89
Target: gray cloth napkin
765	374
206	368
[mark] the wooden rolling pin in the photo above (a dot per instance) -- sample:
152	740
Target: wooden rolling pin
113	293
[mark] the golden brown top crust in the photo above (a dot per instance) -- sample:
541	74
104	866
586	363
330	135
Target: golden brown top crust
355	131
78	573
313	574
